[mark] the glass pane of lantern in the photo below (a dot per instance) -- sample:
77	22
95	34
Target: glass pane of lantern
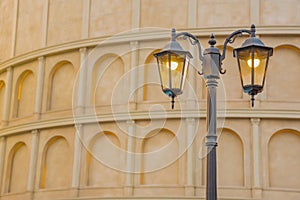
177	72
244	67
260	59
259	71
164	71
185	71
245	71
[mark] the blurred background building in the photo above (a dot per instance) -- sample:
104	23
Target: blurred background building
83	116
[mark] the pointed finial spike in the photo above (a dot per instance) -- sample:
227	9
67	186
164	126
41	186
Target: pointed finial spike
253	30
172	102
173	34
252	101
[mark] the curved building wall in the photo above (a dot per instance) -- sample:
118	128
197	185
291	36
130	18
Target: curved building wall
82	114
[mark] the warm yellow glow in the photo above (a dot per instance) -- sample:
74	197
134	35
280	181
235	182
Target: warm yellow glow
256	62
21	84
1	84
174	65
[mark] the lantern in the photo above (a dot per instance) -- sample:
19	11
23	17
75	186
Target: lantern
173	63
253	57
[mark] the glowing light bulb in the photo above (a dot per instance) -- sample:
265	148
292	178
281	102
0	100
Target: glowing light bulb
256	62
174	65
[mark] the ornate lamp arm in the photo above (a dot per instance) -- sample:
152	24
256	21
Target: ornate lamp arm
231	38
193	40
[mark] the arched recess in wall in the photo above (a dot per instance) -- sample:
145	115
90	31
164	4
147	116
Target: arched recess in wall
2	96
104	160
56	171
152	88
24	94
61	86
284	160
231	80
283	74
107	74
160	161
17	169
230	160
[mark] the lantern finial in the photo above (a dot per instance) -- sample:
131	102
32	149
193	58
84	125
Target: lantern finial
252	30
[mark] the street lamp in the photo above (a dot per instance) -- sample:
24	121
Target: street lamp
253	58
173	62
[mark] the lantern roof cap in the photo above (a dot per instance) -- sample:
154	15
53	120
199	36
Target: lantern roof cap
254	41
173	47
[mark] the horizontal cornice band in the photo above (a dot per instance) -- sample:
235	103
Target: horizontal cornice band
142	35
145	115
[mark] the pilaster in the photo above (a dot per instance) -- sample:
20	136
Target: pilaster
192	14
40	87
136	14
256	153
33	161
190	186
191	80
81	86
77	157
15	27
128	190
2	161
85	19
8	93
255	12
134	71
45	23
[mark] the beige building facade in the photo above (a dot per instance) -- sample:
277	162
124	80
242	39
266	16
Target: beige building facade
82	115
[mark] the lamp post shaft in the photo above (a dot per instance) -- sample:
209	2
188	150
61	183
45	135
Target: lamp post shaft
211	139
211	71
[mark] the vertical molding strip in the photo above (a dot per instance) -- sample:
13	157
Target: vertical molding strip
85	19
192	13
190	188
8	93
81	95
192	23
256	191
2	161
134	70
255	12
136	15
45	23
130	158
15	27
192	75
33	160
40	87
77	156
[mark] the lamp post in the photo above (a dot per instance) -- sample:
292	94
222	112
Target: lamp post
173	63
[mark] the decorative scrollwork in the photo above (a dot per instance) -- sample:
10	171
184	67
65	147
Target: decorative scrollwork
231	40
222	71
232	37
193	40
200	73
